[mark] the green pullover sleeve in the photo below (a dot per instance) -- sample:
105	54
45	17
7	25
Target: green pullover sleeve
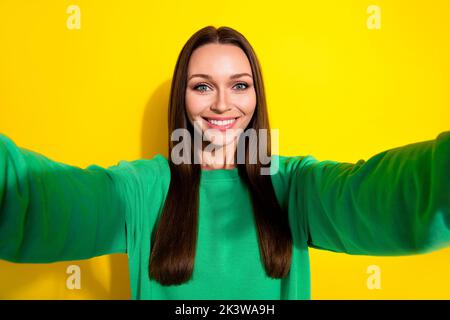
395	203
50	211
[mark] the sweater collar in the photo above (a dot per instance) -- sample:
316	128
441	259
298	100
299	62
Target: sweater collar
219	174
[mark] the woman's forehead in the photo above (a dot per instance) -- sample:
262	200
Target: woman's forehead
219	60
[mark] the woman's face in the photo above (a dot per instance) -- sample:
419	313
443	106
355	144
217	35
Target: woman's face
220	93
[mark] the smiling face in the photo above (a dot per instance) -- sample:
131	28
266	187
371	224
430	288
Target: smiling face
220	93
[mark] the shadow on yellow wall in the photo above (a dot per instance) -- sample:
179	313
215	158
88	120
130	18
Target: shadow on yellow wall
154	132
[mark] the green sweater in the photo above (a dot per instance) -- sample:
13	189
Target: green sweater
395	203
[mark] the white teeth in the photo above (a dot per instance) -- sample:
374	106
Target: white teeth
221	122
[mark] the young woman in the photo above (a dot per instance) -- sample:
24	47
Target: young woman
221	229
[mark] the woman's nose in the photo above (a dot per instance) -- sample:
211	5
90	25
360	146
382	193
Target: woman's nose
221	102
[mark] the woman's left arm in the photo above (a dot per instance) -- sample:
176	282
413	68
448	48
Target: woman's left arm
395	203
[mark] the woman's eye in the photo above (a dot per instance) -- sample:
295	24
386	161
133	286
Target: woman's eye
242	85
203	87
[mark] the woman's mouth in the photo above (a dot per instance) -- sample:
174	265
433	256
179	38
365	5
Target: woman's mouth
220	124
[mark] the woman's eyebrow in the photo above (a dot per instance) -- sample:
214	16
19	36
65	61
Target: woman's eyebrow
238	75
207	76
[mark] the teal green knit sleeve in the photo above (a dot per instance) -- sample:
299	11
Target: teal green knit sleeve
395	203
50	211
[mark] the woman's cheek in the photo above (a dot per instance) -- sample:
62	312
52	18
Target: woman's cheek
193	105
198	103
246	102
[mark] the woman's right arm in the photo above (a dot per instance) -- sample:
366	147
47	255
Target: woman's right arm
50	211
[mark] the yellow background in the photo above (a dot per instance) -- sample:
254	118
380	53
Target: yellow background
335	89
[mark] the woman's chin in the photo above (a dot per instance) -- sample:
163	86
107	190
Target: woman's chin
218	144
220	140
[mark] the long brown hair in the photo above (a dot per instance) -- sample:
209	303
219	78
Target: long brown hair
175	239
